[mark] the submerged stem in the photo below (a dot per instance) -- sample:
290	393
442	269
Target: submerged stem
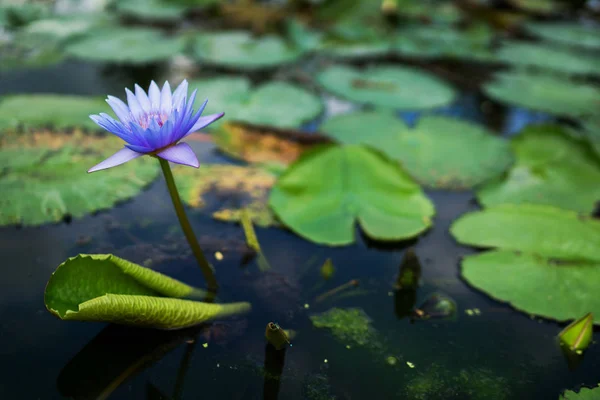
206	268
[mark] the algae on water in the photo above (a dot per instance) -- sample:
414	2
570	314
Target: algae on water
350	325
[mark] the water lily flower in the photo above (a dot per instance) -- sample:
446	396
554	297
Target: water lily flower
153	124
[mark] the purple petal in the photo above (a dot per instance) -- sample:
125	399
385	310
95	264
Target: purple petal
166	104
120	157
121	110
166	134
181	153
134	104
141	139
143	98
114	127
180	94
203	122
139	149
154	95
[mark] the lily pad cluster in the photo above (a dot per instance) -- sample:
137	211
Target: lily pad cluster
545	260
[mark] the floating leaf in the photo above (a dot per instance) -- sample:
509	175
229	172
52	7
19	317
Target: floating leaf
360	185
240	50
262	144
48	110
239	188
548	262
278	104
578	334
541	56
44	176
102	287
125	45
583	394
567	33
387	86
151	10
551	168
555	95
375	128
350	325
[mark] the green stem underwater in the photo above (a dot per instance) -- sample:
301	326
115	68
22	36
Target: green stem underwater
206	268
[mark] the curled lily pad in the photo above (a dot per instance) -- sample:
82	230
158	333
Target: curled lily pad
547	260
241	188
361	185
125	45
547	93
264	144
105	288
24	112
551	168
541	56
567	33
577	336
278	104
44	176
387	86
239	50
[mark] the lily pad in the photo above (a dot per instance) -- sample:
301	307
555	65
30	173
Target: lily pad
547	262
278	104
566	33
361	185
105	288
151	10
44	176
239	50
541	56
591	132
375	128
583	394
24	112
552	94
387	86
237	187
551	168
263	144
125	45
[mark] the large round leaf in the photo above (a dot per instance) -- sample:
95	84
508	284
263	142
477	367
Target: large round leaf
360	185
125	45
105	288
48	110
548	93
374	128
548	262
551	168
536	285
546	57
44	176
387	86
278	104
567	33
240	50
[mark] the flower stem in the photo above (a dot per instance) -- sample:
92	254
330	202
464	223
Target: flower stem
206	268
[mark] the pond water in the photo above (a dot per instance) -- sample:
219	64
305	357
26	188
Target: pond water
492	353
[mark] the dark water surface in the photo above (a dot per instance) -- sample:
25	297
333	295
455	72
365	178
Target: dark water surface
506	354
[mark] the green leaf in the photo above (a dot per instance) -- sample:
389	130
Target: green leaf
48	110
278	104
551	168
591	133
250	185
44	176
151	10
547	262
543	230
534	284
539	6
566	33
583	394
239	50
102	287
361	185
443	152
578	334
544	57
555	95
387	86
440	152
125	45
